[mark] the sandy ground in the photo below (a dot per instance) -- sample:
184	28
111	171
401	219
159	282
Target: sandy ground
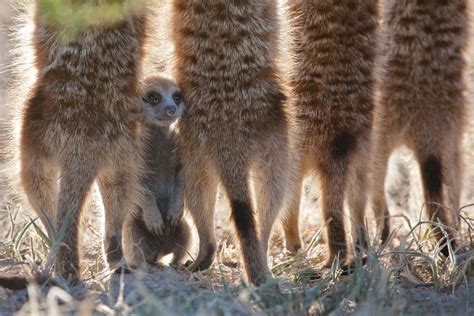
173	292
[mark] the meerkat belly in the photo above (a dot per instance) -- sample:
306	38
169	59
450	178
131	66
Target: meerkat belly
93	127
84	88
162	165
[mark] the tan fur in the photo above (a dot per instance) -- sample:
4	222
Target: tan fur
421	102
334	53
159	229
81	123
236	128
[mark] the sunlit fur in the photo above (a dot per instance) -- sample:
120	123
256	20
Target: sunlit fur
236	127
81	123
422	102
334	50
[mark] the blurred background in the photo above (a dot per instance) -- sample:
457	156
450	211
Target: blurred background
5	20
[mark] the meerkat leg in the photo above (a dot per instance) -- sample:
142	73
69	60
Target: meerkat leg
176	208
181	240
235	182
151	213
75	184
434	172
381	153
357	201
333	179
119	190
291	220
39	181
140	247
200	198
273	176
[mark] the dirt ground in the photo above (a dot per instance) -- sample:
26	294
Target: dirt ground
391	283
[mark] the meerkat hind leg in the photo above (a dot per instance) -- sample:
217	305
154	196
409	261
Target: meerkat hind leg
382	150
75	184
140	247
273	181
291	227
334	174
357	202
200	195
181	243
332	188
118	194
435	167
39	182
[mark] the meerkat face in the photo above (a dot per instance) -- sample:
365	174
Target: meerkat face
162	102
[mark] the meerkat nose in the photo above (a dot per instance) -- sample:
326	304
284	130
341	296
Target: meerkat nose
171	110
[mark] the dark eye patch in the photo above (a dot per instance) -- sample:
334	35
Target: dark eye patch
177	98
152	97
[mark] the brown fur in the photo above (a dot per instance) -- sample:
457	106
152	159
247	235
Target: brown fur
160	229
81	123
421	102
334	55
236	128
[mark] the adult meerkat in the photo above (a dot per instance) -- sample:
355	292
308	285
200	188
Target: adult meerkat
82	123
334	52
236	127
421	103
162	105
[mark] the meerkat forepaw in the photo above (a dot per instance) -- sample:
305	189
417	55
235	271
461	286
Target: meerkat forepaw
155	225
154	220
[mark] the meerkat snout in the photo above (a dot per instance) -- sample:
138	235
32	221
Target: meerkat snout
163	107
171	110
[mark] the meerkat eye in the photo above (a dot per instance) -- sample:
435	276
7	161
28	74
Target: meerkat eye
177	97
153	97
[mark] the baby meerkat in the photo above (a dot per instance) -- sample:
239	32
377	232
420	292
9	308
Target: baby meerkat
421	103
159	228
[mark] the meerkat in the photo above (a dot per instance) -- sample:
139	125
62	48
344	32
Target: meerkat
334	50
421	103
236	130
81	123
162	105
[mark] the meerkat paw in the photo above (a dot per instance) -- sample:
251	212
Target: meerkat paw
178	265
176	212
204	260
153	219
194	266
293	248
335	261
